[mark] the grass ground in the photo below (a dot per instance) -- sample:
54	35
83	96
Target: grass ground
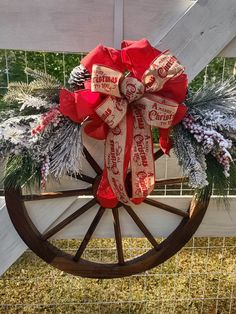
199	279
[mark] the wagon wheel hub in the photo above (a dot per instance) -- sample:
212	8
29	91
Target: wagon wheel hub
97	181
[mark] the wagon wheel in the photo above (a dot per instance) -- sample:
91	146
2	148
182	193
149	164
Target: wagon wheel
75	264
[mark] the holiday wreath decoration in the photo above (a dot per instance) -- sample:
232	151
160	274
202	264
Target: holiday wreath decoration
118	96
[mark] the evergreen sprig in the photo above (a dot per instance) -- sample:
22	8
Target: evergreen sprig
21	170
44	86
218	96
17	91
216	177
39	75
190	156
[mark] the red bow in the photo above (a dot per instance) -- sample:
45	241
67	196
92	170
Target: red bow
122	110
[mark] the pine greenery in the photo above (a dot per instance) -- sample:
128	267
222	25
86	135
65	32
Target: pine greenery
217	96
213	110
190	156
44	86
59	142
21	170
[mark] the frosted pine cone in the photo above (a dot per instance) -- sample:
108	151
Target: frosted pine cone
78	76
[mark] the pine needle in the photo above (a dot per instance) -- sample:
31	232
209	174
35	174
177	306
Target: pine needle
190	156
218	96
21	170
39	75
45	86
17	91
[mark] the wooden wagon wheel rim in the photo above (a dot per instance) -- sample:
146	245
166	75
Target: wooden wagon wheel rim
76	265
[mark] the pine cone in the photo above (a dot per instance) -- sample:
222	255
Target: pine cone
78	76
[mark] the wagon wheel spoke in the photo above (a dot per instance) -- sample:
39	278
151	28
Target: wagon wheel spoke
166	207
50	195
171	181
118	237
92	161
82	177
158	154
141	226
89	233
69	219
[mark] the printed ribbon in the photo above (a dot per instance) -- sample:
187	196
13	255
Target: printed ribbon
123	108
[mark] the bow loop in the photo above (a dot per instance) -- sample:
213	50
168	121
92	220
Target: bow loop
163	68
106	80
158	111
175	88
112	110
138	56
79	105
67	105
105	56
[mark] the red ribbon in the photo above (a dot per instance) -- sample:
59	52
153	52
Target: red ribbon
123	117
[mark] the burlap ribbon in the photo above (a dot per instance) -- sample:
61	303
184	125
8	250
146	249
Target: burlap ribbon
123	106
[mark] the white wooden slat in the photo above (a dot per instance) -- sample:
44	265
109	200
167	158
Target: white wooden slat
201	34
161	223
152	19
118	23
55	25
157	220
230	50
80	25
60	27
219	221
11	247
